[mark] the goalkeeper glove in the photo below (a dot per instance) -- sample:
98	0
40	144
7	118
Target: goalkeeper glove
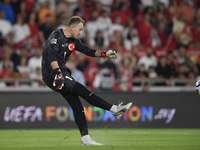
109	54
58	80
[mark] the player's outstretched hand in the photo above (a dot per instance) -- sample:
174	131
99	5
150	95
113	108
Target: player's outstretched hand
58	80
111	54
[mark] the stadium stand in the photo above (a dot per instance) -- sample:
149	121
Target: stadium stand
169	28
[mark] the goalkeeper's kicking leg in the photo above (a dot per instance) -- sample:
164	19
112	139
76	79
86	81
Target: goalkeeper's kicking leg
79	90
95	100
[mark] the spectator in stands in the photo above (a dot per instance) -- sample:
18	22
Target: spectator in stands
196	20
1	39
191	65
162	34
44	11
122	12
141	73
196	34
182	73
24	52
134	51
146	87
192	45
46	29
5	28
151	12
126	65
182	38
35	61
76	74
135	6
181	58
64	9
147	3
104	80
173	10
63	23
111	65
99	41
132	40
152	73
39	4
130	26
162	9
22	10
172	62
23	68
7	72
72	3
20	32
6	6
91	28
16	5
191	76
186	9
144	27
156	43
198	66
174	56
37	78
160	18
34	29
105	23
164	71
117	43
116	26
165	3
12	55
148	59
97	7
91	71
7	56
106	4
82	62
30	4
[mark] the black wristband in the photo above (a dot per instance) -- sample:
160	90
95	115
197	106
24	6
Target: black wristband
57	71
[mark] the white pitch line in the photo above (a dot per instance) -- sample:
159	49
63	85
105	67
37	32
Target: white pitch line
163	133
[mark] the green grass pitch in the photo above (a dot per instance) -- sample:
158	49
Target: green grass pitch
114	139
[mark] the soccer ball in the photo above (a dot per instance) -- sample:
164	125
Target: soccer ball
197	87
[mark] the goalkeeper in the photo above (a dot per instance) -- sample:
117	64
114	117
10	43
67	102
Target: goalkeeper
58	47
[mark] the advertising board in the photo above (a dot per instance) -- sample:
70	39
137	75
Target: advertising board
28	110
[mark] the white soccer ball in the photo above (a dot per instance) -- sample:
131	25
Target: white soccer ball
197	87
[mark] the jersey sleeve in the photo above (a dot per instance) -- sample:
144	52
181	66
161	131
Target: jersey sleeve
79	46
53	48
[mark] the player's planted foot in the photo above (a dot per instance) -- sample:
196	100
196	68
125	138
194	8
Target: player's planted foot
86	140
121	109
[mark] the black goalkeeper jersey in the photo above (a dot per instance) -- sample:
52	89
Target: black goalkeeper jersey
58	48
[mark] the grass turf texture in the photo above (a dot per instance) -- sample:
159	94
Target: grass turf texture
114	139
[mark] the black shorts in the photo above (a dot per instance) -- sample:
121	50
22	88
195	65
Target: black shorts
68	83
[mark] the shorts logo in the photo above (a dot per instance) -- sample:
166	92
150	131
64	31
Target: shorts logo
71	46
68	78
53	41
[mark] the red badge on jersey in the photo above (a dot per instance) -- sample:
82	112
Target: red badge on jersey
71	46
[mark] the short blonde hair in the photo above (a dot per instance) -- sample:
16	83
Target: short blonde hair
75	20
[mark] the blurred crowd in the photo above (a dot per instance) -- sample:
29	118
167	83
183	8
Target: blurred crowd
155	39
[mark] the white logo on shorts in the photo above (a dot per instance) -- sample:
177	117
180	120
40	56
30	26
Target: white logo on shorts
65	54
68	78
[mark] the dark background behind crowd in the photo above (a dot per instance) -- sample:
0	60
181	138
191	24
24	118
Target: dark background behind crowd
155	39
